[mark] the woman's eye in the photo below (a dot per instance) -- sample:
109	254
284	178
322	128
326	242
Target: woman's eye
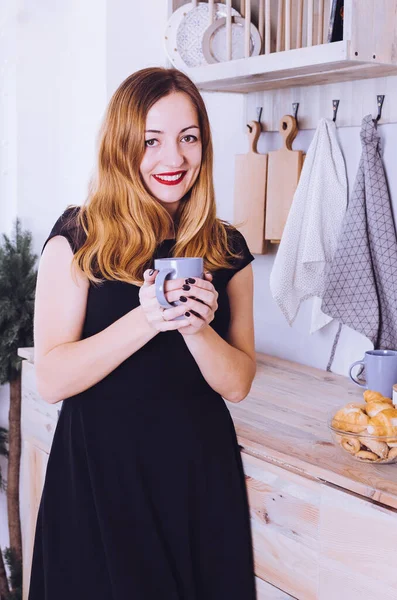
150	143
189	138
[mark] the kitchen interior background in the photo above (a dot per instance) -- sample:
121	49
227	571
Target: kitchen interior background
59	64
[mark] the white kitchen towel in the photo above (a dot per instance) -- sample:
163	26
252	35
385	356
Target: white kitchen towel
311	232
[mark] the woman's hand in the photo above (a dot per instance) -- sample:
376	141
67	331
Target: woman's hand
157	316
199	302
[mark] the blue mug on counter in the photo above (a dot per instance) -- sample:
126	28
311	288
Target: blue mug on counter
380	371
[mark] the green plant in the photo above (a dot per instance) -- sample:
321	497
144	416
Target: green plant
17	291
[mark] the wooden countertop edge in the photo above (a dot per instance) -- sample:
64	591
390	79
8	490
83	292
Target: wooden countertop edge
314	472
27	354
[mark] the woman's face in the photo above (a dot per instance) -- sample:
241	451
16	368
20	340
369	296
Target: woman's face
172	158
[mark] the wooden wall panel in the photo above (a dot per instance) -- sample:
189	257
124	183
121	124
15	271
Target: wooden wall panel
357	99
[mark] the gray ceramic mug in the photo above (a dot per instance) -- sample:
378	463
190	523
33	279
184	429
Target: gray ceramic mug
175	268
380	371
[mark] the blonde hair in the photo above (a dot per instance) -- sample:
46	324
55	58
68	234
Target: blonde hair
122	221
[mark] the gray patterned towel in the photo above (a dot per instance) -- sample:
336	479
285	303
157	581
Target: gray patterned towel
361	285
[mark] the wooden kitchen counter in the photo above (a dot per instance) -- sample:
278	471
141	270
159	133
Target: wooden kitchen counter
324	526
284	421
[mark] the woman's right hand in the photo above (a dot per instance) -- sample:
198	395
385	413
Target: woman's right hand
158	317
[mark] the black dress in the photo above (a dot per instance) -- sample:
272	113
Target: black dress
144	495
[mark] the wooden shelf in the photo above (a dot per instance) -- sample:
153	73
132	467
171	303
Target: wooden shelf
367	51
325	63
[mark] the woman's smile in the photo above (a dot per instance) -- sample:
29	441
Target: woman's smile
170	178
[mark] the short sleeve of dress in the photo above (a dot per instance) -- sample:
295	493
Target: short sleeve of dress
239	246
67	226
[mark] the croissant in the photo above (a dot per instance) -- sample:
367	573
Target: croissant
370	396
392	453
381	449
373	408
384	423
369	456
350	419
351	445
358	405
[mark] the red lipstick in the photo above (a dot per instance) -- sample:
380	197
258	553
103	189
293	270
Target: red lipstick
170	178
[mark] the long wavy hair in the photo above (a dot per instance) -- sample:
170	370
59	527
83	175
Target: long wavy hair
122	220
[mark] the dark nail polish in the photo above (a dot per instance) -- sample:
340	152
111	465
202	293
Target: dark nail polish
190	280
183	298
151	272
186	288
187	314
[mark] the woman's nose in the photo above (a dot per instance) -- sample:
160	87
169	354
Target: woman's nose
172	155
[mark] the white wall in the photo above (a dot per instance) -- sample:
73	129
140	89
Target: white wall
273	334
8	115
52	98
135	33
61	96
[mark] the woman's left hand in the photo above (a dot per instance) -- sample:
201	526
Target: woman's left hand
200	304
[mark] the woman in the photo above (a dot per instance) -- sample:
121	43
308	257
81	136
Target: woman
145	496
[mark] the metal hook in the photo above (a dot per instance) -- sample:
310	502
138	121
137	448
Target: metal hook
335	106
259	114
379	100
295	106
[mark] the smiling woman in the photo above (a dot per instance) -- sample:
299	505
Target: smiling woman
145	495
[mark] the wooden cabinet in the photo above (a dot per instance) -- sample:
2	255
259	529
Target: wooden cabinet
38	426
38	422
319	542
33	468
265	591
324	526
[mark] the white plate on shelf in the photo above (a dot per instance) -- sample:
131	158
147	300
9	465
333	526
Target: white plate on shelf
214	41
170	34
190	32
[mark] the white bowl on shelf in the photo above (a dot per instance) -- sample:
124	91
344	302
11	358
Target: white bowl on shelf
214	41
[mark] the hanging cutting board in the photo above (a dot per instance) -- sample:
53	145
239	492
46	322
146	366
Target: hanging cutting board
250	193
284	168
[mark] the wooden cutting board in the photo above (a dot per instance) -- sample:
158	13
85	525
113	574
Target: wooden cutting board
284	168
250	193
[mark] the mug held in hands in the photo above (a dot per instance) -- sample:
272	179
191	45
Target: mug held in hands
175	268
